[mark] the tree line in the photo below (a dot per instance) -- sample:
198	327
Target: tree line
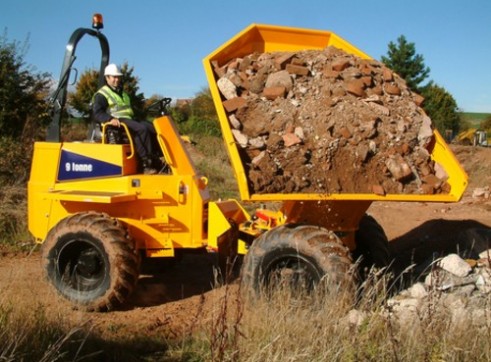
25	102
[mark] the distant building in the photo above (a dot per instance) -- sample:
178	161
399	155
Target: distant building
183	102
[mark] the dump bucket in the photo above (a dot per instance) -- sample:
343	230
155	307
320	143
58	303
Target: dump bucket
268	38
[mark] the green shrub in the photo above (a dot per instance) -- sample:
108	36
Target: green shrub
200	126
13	219
15	162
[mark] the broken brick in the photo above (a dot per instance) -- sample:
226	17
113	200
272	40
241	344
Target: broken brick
233	104
297	69
392	89
274	92
291	139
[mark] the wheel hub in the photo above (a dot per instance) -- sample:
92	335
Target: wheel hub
89	263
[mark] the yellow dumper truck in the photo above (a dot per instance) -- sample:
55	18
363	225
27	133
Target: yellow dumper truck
98	219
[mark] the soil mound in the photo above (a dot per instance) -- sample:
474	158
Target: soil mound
325	121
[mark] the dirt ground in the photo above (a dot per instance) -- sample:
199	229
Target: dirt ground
176	297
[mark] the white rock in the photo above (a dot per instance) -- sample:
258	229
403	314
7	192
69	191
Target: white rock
355	317
405	311
418	291
406	304
372	146
382	110
481	193
241	138
299	133
425	131
295	102
455	264
480	318
459	313
227	88
234	122
257	142
465	290
440	172
485	254
483	282
429	280
280	79
434	277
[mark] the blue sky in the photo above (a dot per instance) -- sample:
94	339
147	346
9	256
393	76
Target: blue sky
166	41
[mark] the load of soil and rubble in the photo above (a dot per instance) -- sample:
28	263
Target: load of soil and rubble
325	121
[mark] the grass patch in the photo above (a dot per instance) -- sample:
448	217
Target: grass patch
28	335
473	120
279	329
32	335
212	160
236	326
13	219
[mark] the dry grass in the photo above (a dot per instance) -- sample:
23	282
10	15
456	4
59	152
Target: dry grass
242	328
27	335
281	329
212	160
13	219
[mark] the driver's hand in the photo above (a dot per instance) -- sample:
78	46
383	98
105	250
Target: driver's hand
115	122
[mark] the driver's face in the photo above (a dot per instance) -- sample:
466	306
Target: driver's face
113	81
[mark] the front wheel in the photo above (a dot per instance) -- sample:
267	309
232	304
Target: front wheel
298	257
90	260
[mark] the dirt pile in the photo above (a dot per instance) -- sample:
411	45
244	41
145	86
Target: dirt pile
324	121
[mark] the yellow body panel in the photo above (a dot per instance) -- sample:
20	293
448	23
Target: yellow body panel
269	38
162	212
220	214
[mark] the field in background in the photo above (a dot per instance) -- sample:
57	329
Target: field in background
474	119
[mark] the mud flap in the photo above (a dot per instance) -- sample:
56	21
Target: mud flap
221	216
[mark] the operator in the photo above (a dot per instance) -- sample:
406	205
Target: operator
112	105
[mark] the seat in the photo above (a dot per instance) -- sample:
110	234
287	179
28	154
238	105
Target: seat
113	135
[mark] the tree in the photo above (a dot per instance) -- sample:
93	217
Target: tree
23	93
202	105
441	107
486	124
198	116
439	104
403	60
130	86
84	91
87	86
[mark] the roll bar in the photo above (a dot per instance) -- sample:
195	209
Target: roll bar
59	97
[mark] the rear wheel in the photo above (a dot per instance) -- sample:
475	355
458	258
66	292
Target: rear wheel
372	245
91	260
300	258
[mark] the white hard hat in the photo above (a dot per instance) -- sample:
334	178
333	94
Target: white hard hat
112	69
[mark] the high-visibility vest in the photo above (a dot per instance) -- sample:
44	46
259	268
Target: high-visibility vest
119	106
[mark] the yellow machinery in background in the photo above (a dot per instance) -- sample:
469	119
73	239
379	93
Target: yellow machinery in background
473	137
98	218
